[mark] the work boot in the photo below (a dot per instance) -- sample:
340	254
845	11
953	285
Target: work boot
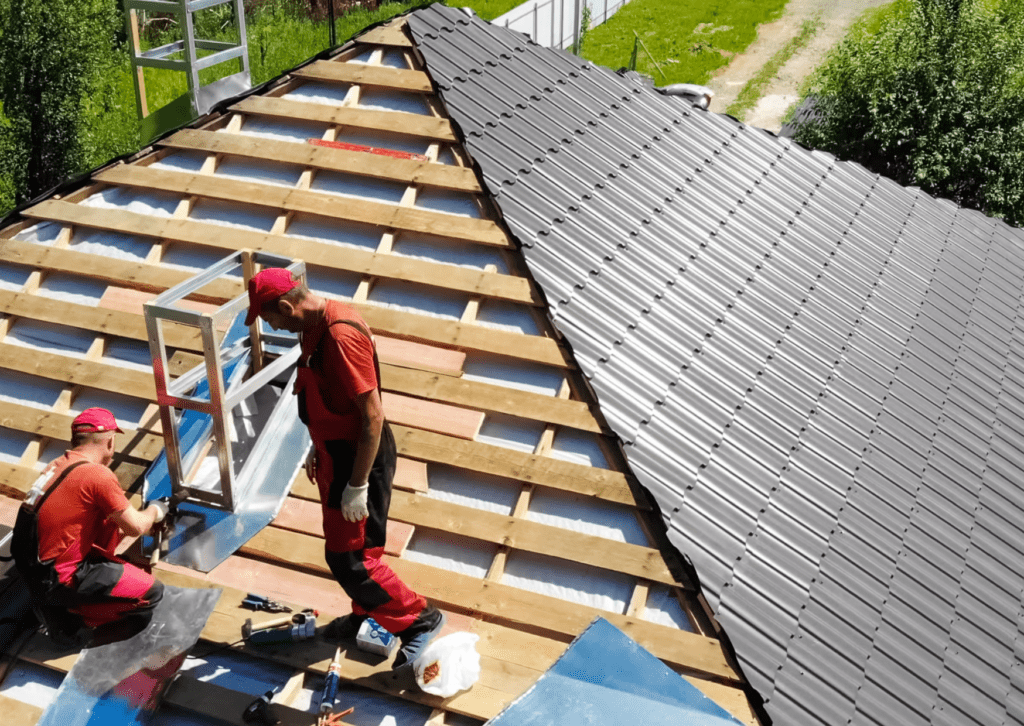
344	628
417	636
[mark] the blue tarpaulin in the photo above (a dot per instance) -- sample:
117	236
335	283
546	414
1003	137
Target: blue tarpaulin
604	677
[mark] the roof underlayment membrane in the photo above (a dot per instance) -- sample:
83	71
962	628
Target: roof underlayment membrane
818	373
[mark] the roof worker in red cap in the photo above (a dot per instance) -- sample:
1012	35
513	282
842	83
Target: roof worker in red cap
353	456
84	592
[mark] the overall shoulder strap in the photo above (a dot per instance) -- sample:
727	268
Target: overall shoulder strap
365	331
50	489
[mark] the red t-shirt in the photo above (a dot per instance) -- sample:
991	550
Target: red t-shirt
73	520
343	368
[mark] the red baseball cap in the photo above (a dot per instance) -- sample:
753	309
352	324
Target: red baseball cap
265	286
95	420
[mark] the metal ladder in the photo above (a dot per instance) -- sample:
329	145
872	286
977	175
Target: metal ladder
199	99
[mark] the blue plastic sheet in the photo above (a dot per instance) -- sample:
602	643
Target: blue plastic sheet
605	677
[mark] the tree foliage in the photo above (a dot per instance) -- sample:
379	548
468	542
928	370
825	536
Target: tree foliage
49	53
929	93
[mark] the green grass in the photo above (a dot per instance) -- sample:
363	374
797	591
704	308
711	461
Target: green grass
487	9
689	39
754	88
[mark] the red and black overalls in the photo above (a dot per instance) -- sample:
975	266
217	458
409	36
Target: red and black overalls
353	550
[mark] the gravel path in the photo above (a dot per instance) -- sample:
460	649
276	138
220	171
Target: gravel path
783	91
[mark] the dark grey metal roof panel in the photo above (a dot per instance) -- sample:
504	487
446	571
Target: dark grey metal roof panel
818	374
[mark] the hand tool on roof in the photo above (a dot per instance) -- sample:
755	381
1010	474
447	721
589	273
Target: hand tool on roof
262	602
333	719
301	627
259	711
331	683
248	628
166	525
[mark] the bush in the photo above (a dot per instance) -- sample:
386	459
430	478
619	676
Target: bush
50	51
929	92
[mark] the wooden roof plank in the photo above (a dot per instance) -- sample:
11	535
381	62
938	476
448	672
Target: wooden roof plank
16	480
362	74
407	269
133	443
389	122
406	354
19	712
499	461
397	323
507	604
140	384
461	423
464	336
87	317
113	270
362	211
522	534
78	371
490	397
390	34
443	176
515	532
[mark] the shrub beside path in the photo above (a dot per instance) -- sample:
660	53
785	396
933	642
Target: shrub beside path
835	18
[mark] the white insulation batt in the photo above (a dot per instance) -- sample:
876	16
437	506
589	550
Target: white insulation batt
28	390
110	244
435	249
323	229
350	185
13	277
13	444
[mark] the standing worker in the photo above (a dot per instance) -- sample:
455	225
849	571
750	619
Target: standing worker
82	588
353	456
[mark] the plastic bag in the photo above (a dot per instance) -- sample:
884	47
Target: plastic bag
448	665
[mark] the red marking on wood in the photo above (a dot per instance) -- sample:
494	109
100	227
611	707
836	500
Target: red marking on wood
368	149
302	515
431	416
407	354
411	475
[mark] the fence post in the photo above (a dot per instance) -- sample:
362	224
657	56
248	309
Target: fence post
333	35
552	23
577	19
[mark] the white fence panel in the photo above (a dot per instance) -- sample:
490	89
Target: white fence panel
555	23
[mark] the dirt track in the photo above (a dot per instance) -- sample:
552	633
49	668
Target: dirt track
836	17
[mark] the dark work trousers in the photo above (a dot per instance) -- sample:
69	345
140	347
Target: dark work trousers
114	597
354	550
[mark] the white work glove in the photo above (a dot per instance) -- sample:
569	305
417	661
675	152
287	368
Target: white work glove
311	464
161	510
353	503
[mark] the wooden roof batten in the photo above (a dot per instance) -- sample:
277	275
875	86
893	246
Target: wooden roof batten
522	633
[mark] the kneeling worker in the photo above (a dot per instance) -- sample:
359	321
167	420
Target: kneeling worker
80	524
353	457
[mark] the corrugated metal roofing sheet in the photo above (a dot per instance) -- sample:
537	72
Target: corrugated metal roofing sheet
818	373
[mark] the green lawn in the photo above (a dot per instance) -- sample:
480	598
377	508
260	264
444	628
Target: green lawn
689	39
